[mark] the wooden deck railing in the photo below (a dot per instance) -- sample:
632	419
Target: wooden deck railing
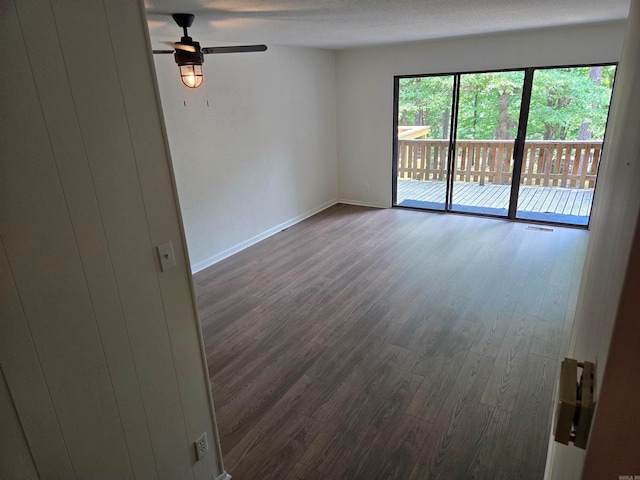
569	164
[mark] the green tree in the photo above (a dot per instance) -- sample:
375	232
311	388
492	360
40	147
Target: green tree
426	101
489	105
566	103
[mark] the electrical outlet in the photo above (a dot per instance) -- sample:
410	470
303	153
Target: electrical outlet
202	447
366	187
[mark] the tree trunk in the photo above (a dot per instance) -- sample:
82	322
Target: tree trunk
446	114
584	133
502	132
595	75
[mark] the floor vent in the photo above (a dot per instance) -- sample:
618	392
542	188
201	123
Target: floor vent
542	229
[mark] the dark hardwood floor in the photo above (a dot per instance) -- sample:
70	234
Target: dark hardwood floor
378	344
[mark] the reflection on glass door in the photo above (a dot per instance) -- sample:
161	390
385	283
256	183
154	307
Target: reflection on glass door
567	119
424	134
487	125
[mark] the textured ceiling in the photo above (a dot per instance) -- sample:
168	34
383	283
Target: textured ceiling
352	23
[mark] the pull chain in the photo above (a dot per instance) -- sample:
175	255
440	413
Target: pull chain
206	91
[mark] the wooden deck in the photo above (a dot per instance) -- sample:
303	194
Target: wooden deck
560	201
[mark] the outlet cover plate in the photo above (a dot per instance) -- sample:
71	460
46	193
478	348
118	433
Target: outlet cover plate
202	446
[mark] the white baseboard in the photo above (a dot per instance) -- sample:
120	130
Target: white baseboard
253	240
363	204
224	476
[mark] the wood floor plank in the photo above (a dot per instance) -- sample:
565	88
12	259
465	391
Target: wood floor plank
372	414
440	371
292	402
530	422
394	457
490	426
302	472
547	339
467	388
337	406
446	454
495	320
277	454
366	343
448	340
503	385
381	426
246	406
554	304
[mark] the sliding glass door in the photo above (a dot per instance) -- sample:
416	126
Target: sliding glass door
565	132
520	144
423	141
487	124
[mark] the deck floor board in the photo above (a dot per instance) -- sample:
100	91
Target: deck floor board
537	199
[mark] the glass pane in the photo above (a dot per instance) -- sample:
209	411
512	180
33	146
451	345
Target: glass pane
424	119
567	120
487	127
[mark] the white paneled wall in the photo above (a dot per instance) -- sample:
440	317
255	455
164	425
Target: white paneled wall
103	372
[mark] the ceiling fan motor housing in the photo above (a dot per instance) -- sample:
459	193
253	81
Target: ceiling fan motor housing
182	57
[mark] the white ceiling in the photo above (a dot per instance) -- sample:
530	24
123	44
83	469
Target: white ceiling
352	23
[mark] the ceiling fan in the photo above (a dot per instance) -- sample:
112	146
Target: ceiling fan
190	56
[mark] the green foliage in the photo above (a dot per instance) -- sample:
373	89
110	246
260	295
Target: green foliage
426	101
566	103
564	99
480	96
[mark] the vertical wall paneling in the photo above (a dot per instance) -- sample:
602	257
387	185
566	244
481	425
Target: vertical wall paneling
25	380
15	457
111	158
164	224
67	144
100	350
41	248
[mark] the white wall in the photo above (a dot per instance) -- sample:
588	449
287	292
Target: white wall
365	88
261	155
102	373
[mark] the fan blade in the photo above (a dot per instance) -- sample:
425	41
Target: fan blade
181	46
184	47
235	49
163	51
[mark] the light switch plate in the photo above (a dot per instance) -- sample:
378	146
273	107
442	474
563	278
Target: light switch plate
167	259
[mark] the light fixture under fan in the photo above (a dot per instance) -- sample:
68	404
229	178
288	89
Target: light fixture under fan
190	56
